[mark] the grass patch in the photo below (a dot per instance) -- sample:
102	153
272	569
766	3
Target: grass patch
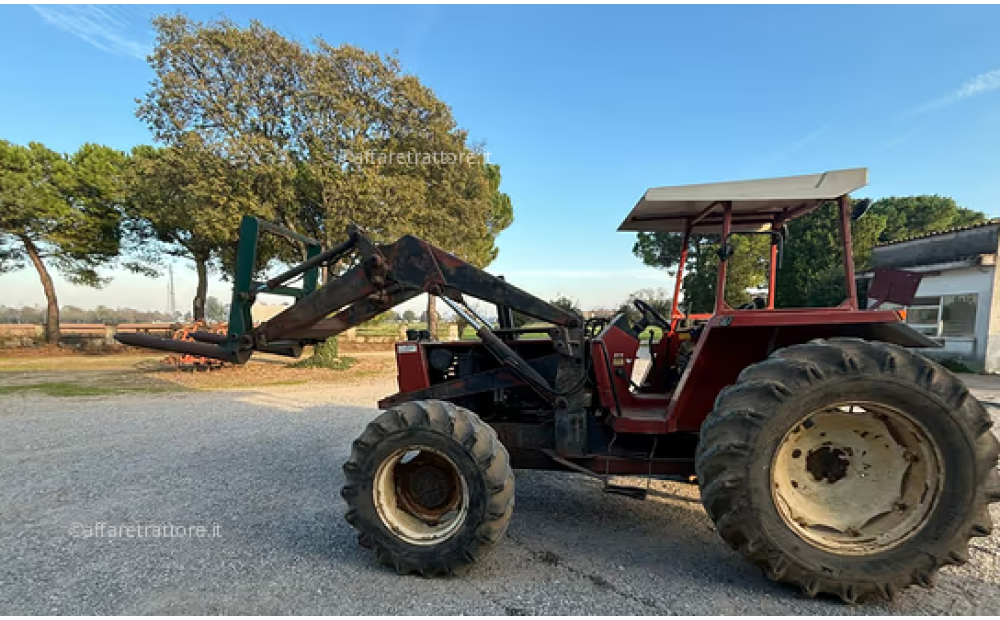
381	329
67	389
74	363
340	363
393	329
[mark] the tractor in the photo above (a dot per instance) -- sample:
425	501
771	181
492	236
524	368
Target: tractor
827	451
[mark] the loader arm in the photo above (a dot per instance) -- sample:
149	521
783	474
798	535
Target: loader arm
380	277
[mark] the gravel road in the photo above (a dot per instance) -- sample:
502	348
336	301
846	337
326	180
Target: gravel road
261	469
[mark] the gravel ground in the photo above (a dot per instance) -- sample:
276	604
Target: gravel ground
262	469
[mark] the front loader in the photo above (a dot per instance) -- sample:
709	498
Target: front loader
827	451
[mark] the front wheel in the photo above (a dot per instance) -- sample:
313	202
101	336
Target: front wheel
429	488
849	468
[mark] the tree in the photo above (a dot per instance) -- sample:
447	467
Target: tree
813	275
918	215
59	211
746	268
216	311
660	299
185	201
409	316
334	135
565	303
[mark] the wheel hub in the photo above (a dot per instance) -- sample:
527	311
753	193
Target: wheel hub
427	487
829	464
420	495
856	478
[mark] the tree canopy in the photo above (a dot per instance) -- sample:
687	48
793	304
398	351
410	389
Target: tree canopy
812	274
332	134
186	202
59	211
747	268
918	215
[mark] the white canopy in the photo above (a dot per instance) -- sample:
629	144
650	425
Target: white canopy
756	203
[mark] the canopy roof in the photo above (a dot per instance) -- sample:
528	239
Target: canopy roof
756	203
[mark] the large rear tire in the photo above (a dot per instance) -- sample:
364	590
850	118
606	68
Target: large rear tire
849	468
429	488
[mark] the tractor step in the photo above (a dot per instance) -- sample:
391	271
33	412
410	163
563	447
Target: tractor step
606	486
627	491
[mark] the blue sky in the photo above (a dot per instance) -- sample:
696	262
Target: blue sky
583	107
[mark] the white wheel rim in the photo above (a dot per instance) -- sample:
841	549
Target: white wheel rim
856	478
420	495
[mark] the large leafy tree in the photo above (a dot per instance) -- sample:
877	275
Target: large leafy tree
917	215
812	274
59	211
333	135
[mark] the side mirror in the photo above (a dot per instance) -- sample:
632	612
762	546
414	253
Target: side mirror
860	208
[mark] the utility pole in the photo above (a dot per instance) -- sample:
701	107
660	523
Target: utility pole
171	300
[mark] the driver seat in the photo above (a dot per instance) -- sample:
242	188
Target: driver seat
647	362
641	368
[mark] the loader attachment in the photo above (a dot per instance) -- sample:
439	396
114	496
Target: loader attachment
378	278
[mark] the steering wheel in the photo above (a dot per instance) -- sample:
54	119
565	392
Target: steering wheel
648	313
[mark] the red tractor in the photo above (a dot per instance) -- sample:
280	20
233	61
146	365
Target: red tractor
826	451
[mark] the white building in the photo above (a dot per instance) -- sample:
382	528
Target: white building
956	301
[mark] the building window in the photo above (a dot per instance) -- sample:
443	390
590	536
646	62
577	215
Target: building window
958	315
947	315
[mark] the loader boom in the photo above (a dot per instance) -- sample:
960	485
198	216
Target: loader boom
379	277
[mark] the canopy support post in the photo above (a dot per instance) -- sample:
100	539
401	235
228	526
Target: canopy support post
720	286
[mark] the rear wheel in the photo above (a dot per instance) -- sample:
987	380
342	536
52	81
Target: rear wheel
849	468
429	488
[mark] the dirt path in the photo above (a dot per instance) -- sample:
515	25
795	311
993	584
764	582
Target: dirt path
85	375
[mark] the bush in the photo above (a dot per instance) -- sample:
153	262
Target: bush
326	355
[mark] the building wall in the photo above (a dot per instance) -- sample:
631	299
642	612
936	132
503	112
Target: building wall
260	312
978	280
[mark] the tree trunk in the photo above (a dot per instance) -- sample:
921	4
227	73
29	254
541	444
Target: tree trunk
198	310
432	316
52	312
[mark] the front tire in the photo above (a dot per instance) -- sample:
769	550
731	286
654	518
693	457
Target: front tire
849	468
429	488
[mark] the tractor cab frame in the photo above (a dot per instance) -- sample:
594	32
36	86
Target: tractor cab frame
729	339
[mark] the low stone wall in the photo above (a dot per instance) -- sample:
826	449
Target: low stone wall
19	335
88	336
92	336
